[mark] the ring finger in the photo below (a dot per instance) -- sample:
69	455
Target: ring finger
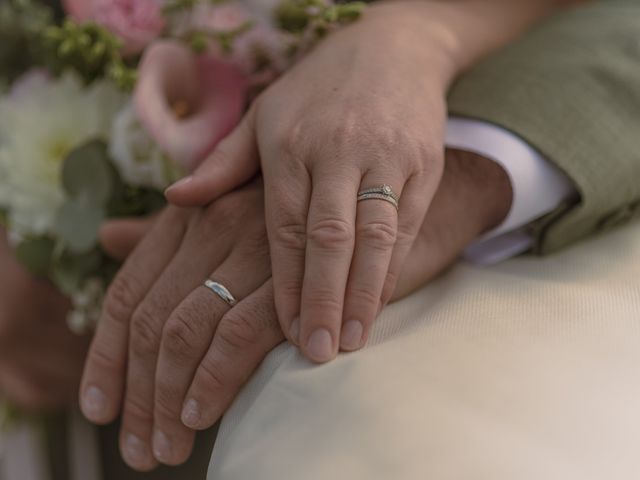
186	338
182	275
376	232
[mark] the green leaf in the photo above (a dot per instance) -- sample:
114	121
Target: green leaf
71	271
36	254
87	174
77	225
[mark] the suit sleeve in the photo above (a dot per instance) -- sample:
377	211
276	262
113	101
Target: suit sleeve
571	89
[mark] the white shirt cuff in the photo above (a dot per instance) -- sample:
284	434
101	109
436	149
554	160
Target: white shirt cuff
539	187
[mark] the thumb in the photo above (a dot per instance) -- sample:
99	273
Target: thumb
234	162
121	236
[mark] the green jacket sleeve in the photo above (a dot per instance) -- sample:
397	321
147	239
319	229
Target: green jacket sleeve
571	89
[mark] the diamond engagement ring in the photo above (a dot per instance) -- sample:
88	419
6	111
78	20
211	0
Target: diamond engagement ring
221	291
383	192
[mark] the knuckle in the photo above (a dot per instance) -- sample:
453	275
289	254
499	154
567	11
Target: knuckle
179	336
102	357
362	296
137	409
236	333
406	235
324	300
210	376
331	234
121	300
145	338
167	399
379	235
290	141
292	236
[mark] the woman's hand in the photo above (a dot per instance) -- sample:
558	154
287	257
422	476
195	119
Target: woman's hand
40	359
363	110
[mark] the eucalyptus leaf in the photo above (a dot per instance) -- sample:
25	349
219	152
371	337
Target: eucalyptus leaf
77	225
87	174
36	254
71	271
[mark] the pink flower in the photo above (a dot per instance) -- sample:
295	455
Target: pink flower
136	22
188	102
222	18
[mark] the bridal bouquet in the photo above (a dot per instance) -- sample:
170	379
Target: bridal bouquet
105	105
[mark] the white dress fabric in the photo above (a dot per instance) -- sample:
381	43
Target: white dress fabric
525	370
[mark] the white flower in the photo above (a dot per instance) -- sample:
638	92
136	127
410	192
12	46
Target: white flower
137	156
41	121
86	306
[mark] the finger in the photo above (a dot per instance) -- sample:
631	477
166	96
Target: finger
414	203
376	229
103	380
182	275
30	390
330	243
244	337
234	162
287	194
121	236
187	336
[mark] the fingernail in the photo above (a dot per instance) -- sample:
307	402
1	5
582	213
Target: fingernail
351	338
320	345
136	452
161	446
94	403
180	183
191	414
294	331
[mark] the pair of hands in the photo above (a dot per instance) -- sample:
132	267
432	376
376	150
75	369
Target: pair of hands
170	356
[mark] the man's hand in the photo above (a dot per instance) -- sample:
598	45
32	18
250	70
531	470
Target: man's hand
40	359
166	346
178	355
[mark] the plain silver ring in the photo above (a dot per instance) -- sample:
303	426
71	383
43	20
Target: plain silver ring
221	291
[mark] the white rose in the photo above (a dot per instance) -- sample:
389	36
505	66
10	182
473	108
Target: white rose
41	121
137	157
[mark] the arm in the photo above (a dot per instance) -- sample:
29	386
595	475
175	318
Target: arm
570	89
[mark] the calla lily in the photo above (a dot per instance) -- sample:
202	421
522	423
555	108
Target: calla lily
188	102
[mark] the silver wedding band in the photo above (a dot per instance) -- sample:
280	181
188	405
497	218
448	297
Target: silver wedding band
384	192
221	291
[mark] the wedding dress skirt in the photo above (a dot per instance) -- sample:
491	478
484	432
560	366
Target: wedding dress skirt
525	370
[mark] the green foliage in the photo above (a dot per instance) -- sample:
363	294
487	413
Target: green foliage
88	180
297	16
36	254
89	49
70	271
21	25
87	174
78	223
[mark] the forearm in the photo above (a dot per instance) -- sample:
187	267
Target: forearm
456	35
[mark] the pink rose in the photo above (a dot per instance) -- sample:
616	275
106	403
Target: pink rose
188	102
136	22
222	18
